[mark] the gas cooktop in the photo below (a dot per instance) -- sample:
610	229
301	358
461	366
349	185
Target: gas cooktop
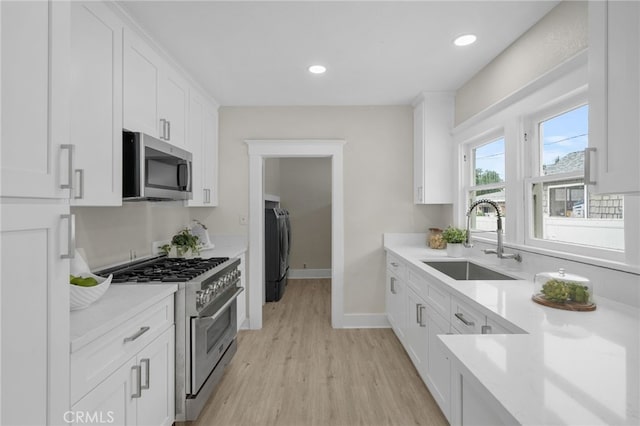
163	269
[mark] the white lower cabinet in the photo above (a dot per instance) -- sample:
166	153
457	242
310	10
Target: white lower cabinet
416	339
438	364
472	404
395	301
126	376
140	392
420	310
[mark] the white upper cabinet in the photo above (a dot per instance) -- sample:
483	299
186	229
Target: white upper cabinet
155	96
433	148
210	154
141	86
614	96
35	99
96	104
203	144
174	99
195	145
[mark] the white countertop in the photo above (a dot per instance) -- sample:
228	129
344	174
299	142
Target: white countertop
119	304
571	368
226	246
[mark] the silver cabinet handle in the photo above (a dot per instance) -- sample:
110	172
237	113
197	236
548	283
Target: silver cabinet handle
208	196
136	334
71	236
138	371
168	130
418	311
146	362
72	149
393	285
394	264
486	329
587	166
421	322
466	322
80	173
163	131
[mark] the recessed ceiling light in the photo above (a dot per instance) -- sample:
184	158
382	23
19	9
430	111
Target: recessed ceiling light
465	40
317	69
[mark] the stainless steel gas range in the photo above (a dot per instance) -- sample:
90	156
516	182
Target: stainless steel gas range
205	318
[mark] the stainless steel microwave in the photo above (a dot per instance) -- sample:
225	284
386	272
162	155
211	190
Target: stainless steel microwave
153	169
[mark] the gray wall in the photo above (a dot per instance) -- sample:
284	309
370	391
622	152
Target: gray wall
558	36
378	181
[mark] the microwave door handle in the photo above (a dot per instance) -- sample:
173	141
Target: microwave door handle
180	176
188	188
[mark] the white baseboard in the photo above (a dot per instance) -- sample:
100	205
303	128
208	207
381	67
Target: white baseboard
365	321
309	273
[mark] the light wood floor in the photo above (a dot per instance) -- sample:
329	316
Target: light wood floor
299	371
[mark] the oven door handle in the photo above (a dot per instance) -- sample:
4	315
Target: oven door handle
221	310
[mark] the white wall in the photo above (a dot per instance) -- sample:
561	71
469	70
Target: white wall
558	36
378	181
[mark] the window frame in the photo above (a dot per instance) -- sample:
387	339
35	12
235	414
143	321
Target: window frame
533	175
470	172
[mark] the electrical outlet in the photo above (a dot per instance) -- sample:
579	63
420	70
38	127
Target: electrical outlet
243	219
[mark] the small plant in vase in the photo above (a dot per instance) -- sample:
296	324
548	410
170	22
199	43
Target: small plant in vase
454	238
183	244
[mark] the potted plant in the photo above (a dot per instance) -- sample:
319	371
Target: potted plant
454	238
183	244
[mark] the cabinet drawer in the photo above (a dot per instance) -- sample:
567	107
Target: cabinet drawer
395	265
466	319
93	363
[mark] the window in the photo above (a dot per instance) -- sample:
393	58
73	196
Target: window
563	208
487	171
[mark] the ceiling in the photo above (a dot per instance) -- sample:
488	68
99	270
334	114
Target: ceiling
376	52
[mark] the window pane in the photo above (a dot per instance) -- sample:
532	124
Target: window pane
565	212
488	161
484	216
564	138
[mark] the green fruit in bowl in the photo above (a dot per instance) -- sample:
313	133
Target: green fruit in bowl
83	282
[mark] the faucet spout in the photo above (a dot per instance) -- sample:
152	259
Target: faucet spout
499	251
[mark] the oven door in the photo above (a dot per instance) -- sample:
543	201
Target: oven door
210	338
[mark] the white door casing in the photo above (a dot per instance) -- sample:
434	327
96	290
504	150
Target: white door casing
258	151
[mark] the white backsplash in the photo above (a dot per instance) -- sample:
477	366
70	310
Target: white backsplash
109	235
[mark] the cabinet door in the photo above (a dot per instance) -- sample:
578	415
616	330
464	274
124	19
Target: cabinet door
614	95
96	104
111	402
174	99
433	149
416	335
35	98
395	304
34	314
141	86
210	155
438	365
195	145
156	406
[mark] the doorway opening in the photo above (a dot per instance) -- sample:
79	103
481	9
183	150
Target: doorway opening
261	150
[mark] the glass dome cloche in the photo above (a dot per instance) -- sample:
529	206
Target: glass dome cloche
563	291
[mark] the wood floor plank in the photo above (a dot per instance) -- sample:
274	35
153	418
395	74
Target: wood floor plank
299	371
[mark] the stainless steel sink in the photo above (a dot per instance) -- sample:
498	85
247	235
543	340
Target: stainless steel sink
465	270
